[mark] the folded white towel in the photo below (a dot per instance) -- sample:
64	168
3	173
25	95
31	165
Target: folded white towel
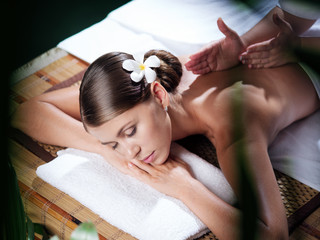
127	203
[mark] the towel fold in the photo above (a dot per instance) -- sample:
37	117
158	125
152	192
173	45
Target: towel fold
127	203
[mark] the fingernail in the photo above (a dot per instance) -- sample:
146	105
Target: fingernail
240	58
249	66
130	165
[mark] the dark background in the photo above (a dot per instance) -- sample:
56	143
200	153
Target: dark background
39	25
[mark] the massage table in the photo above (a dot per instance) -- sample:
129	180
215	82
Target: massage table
139	26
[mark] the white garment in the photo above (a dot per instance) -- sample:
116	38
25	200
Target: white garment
303	9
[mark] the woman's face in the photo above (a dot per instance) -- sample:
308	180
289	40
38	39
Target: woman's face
142	132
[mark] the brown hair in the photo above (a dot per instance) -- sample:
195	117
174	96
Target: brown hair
107	90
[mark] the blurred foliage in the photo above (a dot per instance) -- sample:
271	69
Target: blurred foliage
13	216
248	203
85	231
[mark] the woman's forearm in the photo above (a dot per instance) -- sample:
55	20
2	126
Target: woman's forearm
48	124
220	217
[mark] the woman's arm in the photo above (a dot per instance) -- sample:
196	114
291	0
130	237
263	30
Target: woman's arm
54	118
271	219
224	220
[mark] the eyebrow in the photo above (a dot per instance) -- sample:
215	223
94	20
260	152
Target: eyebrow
118	134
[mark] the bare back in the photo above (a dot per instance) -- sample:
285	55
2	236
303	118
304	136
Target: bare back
276	96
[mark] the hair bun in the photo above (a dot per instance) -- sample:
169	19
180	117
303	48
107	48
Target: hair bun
170	71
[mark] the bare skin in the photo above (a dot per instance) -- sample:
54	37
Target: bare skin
272	98
270	43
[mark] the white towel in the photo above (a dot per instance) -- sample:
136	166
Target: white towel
127	203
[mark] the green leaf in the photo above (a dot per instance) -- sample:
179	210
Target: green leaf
30	229
39	228
85	231
14	222
248	196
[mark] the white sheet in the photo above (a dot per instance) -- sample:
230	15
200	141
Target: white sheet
182	27
107	36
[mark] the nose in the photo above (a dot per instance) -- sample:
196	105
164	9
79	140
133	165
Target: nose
132	150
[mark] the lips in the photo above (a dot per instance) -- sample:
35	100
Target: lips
149	159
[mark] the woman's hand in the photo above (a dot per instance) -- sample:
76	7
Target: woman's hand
219	55
273	52
170	178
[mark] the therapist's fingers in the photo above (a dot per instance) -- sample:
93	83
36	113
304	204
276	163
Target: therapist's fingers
260	47
261	63
256	57
228	32
196	64
200	55
201	68
202	71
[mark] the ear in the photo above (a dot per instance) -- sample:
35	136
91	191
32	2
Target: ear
160	94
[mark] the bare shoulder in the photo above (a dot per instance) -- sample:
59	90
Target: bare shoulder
239	105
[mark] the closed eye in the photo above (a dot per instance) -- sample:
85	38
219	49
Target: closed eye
131	131
114	146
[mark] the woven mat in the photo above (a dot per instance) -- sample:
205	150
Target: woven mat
61	214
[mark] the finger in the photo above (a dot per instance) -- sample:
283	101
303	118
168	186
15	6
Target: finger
271	63
195	64
256	55
143	166
200	65
258	47
202	71
274	63
137	173
255	66
228	32
257	59
202	54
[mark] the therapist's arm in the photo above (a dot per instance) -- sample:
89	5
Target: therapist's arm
266	29
277	45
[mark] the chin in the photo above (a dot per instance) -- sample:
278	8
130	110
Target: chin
163	156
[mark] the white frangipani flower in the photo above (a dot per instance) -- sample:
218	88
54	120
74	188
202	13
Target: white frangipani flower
140	68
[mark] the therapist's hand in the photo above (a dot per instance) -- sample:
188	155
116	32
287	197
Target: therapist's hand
218	55
170	178
273	52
